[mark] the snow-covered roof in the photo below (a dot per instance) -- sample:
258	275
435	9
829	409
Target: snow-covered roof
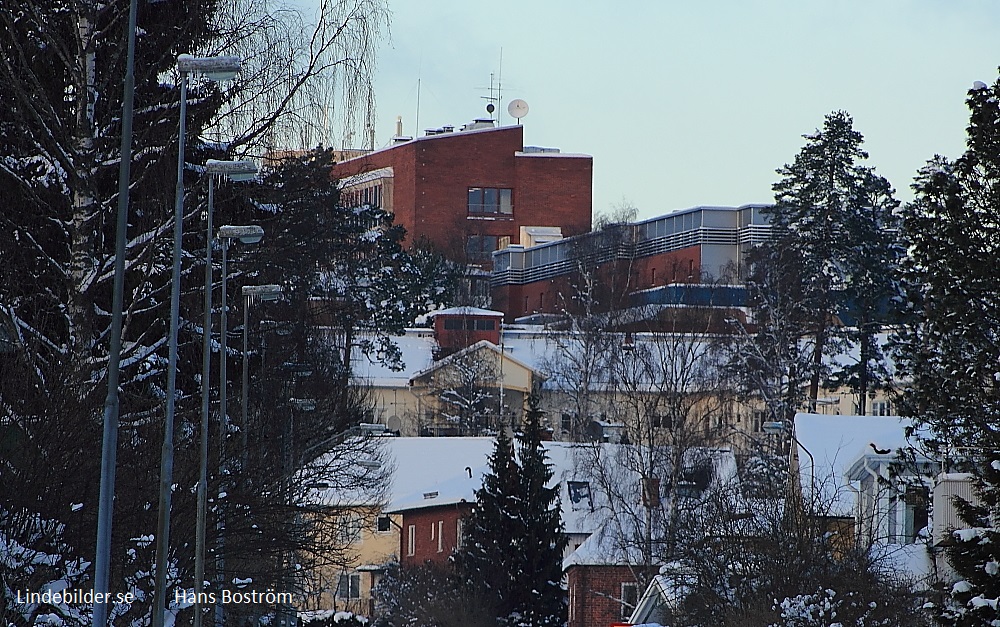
429	472
912	561
480	345
836	443
416	350
558	155
604	546
466	311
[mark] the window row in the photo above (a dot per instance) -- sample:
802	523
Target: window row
469	324
491	200
437	535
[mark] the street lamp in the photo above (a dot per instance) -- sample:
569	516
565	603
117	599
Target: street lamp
109	441
263	293
235	171
214	68
777	427
250	234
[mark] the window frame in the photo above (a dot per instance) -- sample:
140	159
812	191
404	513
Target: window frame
626	611
483	201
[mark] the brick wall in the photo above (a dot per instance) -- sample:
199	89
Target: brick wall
452	340
432	176
429	524
595	594
615	281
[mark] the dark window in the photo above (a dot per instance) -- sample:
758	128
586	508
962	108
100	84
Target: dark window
630	597
479	247
384	523
349	586
579	495
491	200
453	324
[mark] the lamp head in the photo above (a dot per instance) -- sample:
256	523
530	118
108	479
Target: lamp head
214	68
775	426
250	234
243	170
263	292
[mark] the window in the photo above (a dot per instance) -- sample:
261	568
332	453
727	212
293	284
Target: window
453	324
349	528
459	533
384	524
630	597
480	246
349	586
579	495
411	539
881	408
572	603
484	325
490	201
440	533
916	512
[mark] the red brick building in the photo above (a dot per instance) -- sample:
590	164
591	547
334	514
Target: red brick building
689	258
460	327
601	595
432	533
468	192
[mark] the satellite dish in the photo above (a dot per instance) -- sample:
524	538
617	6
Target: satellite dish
517	108
490	108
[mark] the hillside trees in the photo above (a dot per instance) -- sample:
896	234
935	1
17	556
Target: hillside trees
60	77
948	352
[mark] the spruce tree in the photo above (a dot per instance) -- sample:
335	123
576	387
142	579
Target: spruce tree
948	351
514	539
538	599
485	557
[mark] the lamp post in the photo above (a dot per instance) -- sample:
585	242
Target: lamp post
235	171
214	68
109	442
778	426
263	293
250	234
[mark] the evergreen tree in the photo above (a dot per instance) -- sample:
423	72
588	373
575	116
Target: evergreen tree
485	556
514	539
834	227
948	351
537	596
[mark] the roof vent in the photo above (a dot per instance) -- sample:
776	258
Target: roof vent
478	123
430	495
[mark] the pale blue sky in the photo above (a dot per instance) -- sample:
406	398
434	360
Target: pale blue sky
697	102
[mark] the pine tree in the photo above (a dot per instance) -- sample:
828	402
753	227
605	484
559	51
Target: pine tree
61	76
834	225
948	351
